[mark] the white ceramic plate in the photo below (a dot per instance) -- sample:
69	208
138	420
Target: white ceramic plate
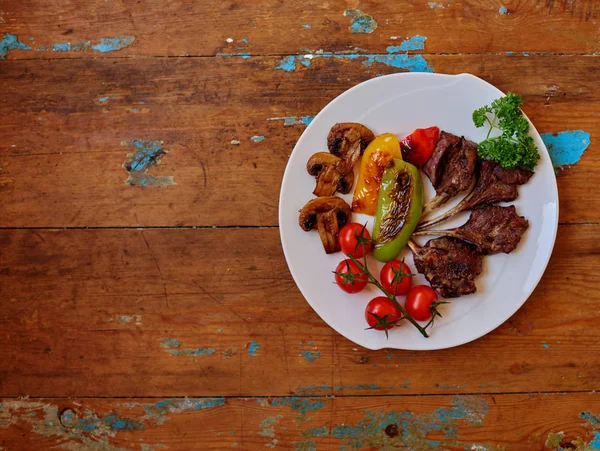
398	104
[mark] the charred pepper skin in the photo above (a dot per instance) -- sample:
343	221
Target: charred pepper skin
398	209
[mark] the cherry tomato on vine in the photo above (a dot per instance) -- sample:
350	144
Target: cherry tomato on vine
421	302
382	314
355	240
350	277
396	277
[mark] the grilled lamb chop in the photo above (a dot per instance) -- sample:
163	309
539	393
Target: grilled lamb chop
495	184
449	265
450	168
490	229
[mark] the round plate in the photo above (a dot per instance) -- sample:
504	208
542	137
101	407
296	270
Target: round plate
398	104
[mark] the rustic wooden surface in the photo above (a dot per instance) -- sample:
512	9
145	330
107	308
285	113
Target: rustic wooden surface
139	317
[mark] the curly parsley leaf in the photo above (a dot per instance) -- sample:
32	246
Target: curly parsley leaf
514	148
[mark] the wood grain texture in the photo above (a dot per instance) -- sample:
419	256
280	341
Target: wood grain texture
143	313
180	28
62	124
507	422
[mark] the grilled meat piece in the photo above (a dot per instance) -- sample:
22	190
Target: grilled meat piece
490	229
494	184
449	265
450	168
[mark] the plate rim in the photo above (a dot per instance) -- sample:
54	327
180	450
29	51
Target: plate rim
493	324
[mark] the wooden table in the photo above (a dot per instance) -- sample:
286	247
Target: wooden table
147	304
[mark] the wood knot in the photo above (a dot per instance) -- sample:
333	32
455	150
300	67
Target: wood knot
392	430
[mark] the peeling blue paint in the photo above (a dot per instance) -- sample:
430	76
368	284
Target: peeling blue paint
244	55
370	431
257	139
308	445
316	432
287	64
434	5
589	417
253	348
113	44
311	343
105	99
509	53
293	120
566	148
305	25
412	63
525	54
311	356
11	42
415	43
267	426
546	345
301	405
503	11
191	352
148	153
245	41
361	22
595	444
170	343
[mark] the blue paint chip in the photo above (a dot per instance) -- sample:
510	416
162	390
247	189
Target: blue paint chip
103	99
503	11
113	44
566	148
253	348
595	444
287	64
361	22
525	54
311	356
245	41
305	25
257	139
11	42
64	47
546	345
148	153
509	53
415	43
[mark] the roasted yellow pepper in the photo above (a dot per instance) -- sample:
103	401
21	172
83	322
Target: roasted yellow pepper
377	155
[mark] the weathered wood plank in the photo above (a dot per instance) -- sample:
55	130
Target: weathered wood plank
512	422
179	28
195	312
62	124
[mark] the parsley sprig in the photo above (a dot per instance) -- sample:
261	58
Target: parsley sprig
514	148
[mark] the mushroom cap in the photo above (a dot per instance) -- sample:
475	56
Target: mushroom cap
318	161
326	204
348	131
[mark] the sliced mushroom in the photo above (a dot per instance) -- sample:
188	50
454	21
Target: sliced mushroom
348	140
328	215
324	166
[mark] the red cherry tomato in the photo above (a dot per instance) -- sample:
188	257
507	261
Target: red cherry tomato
350	238
350	277
396	277
418	146
380	307
418	302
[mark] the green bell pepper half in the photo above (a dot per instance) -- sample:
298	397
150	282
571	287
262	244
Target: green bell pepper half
399	208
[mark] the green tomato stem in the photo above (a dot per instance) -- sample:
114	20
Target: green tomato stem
374	281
